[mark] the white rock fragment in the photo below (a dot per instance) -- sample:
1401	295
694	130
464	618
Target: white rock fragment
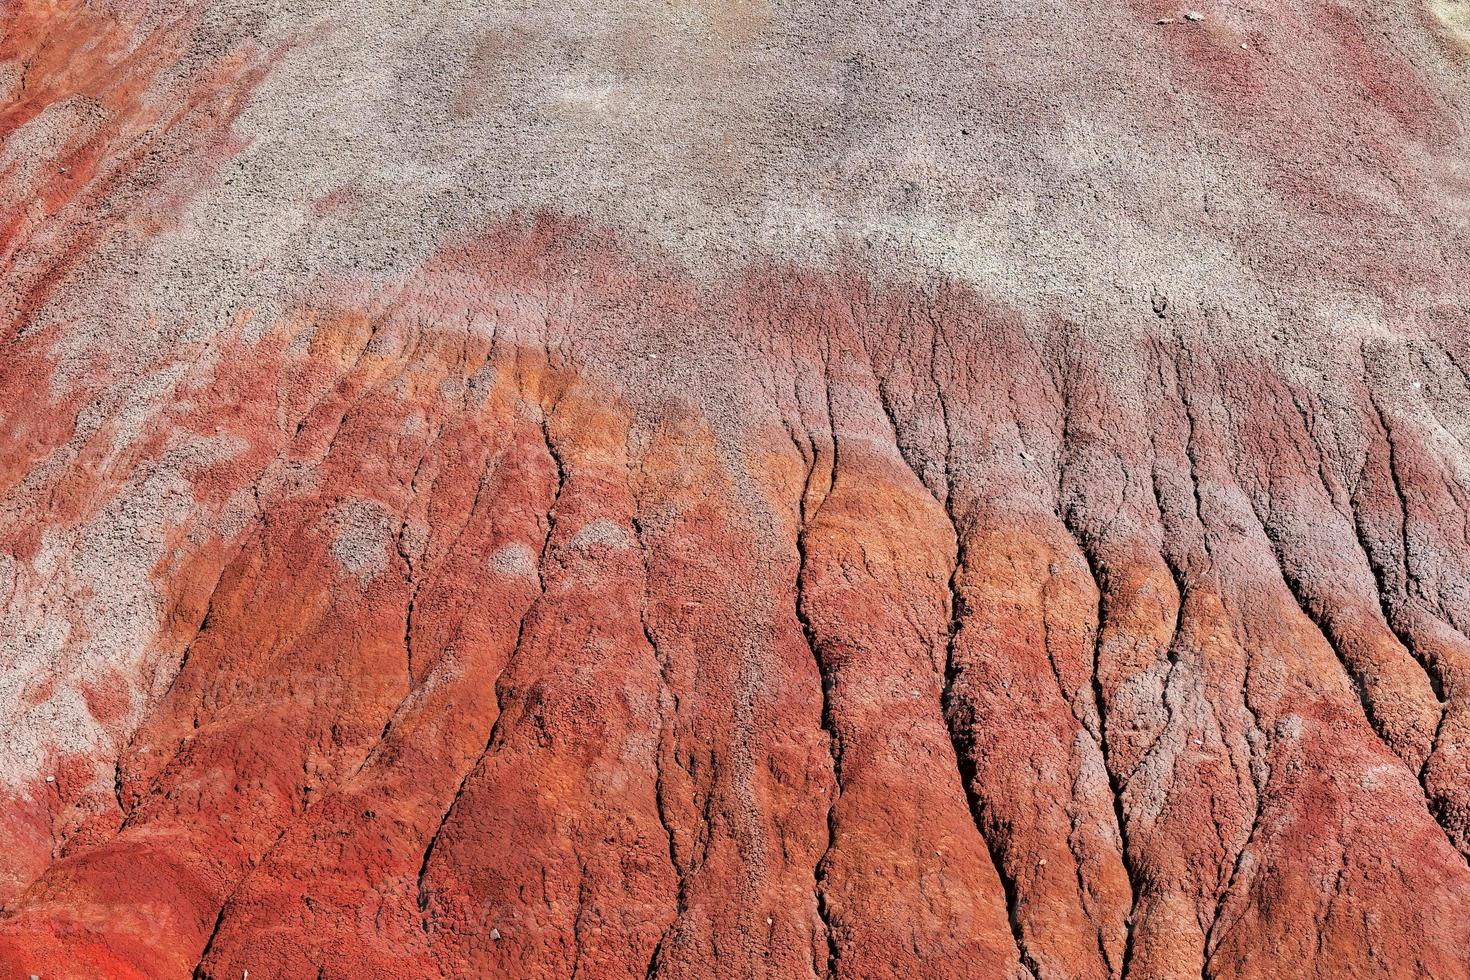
515	559
601	534
495	934
362	536
1193	16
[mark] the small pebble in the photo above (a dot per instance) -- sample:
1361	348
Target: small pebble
1164	20
495	934
1194	15
50	779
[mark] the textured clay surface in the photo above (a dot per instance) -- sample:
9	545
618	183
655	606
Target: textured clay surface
728	488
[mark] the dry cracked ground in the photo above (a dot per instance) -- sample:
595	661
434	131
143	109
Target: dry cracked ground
734	488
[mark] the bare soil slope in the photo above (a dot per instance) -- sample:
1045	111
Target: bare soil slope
726	488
